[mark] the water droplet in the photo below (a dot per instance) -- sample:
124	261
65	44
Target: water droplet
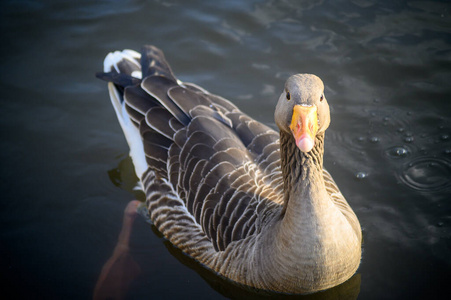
386	118
447	151
375	100
401	151
361	175
374	139
409	113
444	137
440	224
361	139
401	129
397	152
409	139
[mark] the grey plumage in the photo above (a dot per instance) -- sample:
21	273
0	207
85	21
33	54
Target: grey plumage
215	183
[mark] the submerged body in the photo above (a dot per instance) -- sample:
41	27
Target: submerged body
252	204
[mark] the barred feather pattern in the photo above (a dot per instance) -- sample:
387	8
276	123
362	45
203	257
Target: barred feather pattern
214	177
210	165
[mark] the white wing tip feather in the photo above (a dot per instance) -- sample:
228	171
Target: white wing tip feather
130	131
137	74
113	58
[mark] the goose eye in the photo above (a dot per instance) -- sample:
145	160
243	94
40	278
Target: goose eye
288	96
321	98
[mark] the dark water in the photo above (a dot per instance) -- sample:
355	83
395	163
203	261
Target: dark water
65	176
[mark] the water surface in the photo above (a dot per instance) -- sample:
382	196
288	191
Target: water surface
66	178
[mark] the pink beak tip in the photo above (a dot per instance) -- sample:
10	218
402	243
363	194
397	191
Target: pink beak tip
305	143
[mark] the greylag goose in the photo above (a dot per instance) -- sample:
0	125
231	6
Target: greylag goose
251	204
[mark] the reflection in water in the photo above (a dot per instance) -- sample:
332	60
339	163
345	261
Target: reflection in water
120	270
124	176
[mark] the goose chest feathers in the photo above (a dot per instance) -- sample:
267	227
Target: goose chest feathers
249	203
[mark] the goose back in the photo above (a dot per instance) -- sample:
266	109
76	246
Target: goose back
219	164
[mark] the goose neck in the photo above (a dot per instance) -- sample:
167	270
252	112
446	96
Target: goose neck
302	172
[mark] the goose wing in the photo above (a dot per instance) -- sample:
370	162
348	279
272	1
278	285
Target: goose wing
340	201
220	164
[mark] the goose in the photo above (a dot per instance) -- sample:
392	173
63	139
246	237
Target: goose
249	203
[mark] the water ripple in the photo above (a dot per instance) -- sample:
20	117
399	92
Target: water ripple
427	174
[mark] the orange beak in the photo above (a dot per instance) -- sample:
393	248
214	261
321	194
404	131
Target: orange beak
304	126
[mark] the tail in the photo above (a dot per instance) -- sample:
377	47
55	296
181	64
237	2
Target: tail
138	85
121	70
152	106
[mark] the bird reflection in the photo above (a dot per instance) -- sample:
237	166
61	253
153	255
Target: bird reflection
120	270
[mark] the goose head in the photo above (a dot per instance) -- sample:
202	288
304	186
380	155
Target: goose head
302	110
